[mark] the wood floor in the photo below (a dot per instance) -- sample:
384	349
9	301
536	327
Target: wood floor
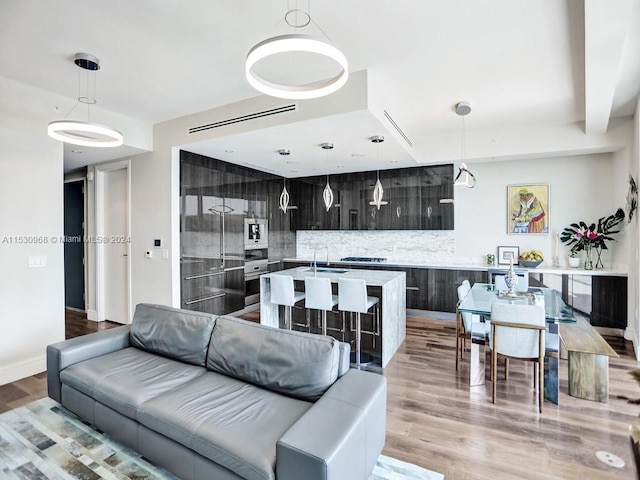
434	419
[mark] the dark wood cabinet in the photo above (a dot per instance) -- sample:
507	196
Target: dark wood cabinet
418	198
215	199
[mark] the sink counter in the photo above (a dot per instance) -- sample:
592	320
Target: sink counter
388	285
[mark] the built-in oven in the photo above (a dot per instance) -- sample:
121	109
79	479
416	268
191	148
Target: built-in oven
255	264
256	233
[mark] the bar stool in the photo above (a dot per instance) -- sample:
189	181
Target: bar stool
283	293
352	297
319	297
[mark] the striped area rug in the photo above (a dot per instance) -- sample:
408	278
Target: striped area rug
42	440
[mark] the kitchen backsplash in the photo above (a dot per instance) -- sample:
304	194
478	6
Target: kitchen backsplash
395	245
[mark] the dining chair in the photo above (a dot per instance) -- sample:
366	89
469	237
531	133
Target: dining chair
466	323
518	332
523	283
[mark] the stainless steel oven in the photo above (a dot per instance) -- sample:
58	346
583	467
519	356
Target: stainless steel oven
252	271
255	264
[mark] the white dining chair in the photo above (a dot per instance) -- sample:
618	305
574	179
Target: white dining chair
518	332
467	323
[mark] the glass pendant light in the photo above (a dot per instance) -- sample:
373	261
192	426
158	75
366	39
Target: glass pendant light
378	191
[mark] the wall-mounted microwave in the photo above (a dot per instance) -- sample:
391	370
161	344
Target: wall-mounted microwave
256	233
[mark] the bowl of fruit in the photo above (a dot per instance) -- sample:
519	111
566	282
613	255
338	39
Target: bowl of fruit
531	259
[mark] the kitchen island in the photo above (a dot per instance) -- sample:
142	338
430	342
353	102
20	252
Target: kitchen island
388	285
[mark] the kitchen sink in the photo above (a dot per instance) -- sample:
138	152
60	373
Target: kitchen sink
326	270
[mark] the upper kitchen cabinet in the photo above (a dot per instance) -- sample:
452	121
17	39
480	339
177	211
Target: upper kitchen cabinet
436	197
419	198
306	195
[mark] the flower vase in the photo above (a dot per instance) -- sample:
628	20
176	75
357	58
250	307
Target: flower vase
511	281
588	263
599	263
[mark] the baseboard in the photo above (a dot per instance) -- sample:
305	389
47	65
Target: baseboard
92	315
17	371
74	309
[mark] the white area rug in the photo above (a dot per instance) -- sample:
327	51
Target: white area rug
42	440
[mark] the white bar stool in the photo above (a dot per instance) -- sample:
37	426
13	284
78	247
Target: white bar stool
352	297
319	297
283	293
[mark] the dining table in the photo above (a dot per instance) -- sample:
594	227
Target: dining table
478	302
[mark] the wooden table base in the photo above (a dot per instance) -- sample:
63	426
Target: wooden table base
589	376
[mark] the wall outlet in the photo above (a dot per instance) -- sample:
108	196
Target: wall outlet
37	261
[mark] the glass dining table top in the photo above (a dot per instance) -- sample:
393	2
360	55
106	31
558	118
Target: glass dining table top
479	299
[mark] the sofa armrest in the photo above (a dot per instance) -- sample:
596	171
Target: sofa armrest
62	354
341	435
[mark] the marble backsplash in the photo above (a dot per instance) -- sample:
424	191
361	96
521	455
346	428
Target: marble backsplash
402	246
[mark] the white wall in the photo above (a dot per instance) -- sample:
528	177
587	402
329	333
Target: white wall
584	187
31	195
633	232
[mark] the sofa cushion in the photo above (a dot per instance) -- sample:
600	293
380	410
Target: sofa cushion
124	379
228	421
297	364
171	332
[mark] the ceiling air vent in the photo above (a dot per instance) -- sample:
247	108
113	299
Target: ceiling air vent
395	125
243	118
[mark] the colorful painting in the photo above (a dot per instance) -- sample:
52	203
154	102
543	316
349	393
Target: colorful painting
528	209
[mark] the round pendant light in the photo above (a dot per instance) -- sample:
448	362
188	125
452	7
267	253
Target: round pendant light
296	43
86	134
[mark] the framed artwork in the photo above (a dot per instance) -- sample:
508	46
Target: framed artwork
528	209
508	254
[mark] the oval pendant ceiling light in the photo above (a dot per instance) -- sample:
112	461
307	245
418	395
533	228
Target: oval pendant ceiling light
378	191
86	134
296	43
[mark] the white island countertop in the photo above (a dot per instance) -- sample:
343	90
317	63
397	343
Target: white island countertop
388	284
451	265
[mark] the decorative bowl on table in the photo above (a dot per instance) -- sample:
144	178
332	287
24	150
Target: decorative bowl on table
529	263
530	259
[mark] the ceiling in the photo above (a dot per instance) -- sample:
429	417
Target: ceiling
520	63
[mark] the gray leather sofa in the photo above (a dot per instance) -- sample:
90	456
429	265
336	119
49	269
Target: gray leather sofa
222	398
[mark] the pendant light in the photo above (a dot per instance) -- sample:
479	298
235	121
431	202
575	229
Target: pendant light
327	193
296	43
378	191
86	134
469	179
284	197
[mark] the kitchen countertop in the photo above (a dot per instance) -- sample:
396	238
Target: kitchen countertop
444	265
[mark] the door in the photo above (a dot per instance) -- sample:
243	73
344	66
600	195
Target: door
115	241
74	245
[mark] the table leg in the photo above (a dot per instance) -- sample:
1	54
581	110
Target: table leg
589	376
477	361
551	391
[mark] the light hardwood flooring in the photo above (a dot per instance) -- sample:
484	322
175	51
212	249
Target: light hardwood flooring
434	419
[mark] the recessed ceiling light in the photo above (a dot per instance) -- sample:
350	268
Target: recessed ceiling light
228	150
393	161
291	162
294	171
340	166
76	151
358	155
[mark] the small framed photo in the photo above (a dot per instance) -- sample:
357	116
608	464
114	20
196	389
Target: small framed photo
508	254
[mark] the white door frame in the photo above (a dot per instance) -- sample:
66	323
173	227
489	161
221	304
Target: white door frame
100	171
